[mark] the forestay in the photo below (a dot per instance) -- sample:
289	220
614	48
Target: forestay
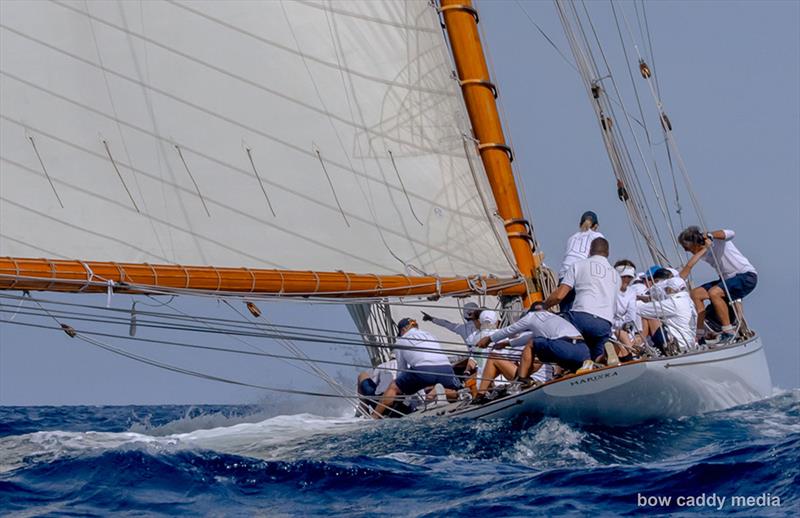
297	135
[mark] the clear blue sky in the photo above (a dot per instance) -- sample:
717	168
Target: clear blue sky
730	78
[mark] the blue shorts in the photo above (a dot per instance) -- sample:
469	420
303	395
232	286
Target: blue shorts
367	387
595	330
561	351
739	286
427	376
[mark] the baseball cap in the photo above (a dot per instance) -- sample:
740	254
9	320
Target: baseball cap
404	323
468	310
588	215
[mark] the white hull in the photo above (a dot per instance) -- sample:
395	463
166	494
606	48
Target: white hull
639	391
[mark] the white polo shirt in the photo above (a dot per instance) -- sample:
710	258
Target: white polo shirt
596	284
413	358
731	260
577	248
541	324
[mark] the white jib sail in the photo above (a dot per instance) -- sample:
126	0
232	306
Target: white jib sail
300	135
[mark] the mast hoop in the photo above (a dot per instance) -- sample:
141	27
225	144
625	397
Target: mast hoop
497	145
460	7
516	221
522	235
480	82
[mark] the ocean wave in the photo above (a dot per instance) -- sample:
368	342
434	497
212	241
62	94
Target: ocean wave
306	464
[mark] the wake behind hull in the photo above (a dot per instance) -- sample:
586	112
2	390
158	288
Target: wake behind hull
660	388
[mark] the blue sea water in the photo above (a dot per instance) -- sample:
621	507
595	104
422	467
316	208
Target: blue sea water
238	461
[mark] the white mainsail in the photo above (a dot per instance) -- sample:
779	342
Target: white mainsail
297	135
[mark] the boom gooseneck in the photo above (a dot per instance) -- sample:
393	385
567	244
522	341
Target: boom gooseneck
461	22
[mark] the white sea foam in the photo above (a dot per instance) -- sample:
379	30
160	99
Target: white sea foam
272	438
552	443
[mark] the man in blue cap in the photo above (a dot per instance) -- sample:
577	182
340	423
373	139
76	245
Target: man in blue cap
420	363
577	249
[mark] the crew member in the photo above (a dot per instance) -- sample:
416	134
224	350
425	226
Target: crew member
421	364
578	248
596	284
737	275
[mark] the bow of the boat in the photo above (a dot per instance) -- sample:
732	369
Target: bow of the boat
644	390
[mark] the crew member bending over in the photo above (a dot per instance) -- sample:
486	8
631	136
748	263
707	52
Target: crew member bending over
554	340
421	364
596	284
578	248
717	249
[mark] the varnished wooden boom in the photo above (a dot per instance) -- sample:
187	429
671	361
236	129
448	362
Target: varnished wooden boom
93	276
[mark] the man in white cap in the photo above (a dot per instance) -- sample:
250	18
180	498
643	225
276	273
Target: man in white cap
470	312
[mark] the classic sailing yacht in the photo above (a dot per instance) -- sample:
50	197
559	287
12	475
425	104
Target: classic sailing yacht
324	150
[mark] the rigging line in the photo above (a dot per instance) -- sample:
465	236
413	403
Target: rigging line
546	37
616	89
223	350
41	162
668	213
258	177
204	323
183	316
189	172
650	45
298	352
74	334
400	179
121	179
322	163
636	140
314	339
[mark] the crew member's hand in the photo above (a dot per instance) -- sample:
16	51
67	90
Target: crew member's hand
501	345
484	342
426	317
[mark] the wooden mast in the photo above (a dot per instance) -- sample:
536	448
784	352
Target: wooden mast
94	276
461	22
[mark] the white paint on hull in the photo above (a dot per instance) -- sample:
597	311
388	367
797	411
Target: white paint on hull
660	388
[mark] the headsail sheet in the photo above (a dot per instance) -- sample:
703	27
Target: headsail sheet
298	135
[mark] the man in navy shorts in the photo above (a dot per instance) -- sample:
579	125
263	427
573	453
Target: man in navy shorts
420	363
740	277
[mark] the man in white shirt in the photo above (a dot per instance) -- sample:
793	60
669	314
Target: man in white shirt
470	312
578	248
420	363
553	340
596	284
667	303
736	274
